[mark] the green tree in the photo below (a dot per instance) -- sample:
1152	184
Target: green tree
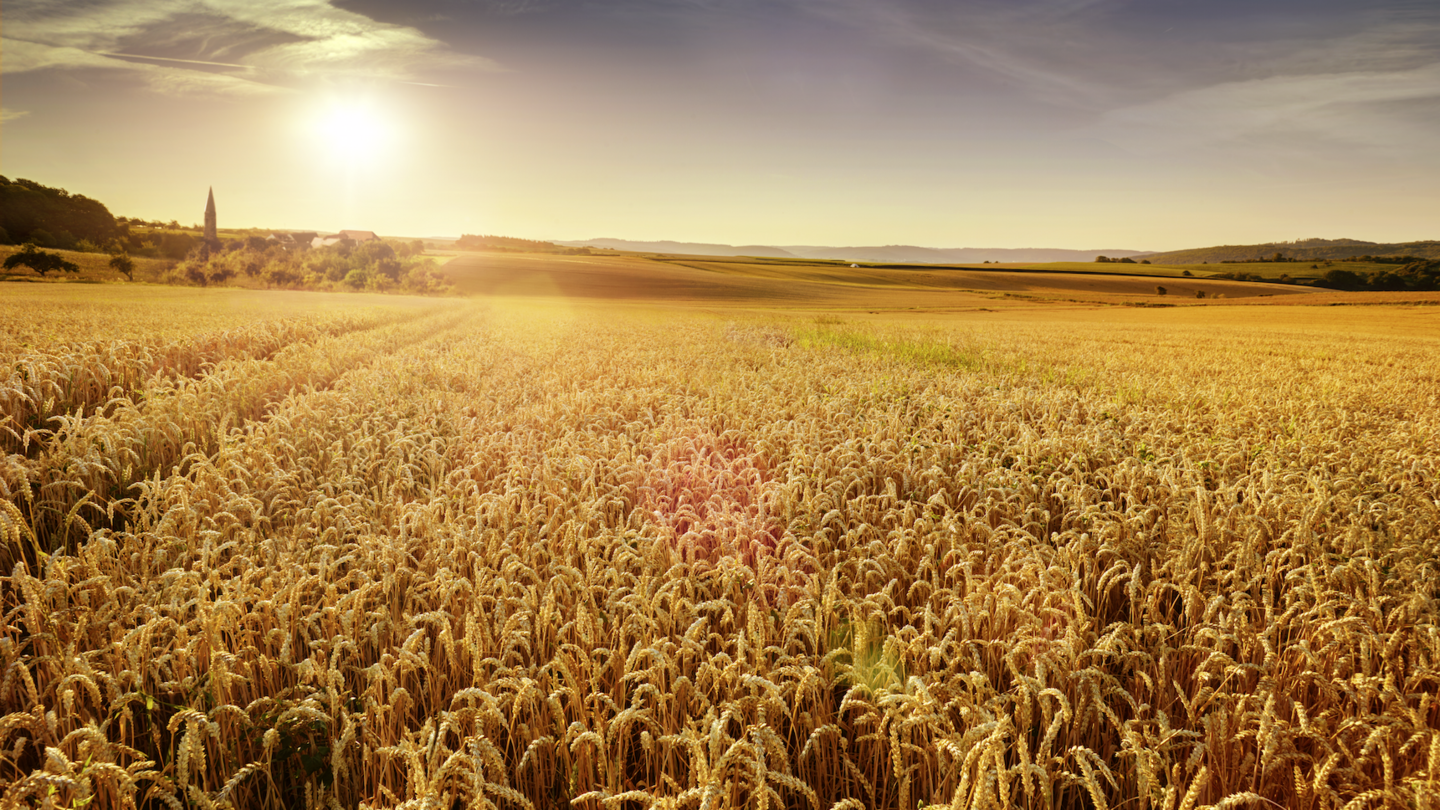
27	208
122	263
39	261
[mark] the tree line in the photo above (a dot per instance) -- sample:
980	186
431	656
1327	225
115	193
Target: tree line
376	266
504	244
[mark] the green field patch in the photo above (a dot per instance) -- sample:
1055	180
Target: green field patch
1263	271
914	349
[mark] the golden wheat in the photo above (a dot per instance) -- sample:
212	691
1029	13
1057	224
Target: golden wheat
518	559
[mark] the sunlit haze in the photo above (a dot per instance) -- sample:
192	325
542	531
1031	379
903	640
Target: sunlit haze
355	131
950	123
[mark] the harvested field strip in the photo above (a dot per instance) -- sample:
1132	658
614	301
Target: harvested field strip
93	461
611	561
81	380
45	317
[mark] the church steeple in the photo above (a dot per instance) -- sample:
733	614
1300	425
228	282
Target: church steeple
210	217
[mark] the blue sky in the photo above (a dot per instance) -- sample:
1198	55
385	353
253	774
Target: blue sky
1064	123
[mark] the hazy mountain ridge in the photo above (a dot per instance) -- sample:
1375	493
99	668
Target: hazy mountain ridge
690	248
1304	249
898	254
910	254
884	254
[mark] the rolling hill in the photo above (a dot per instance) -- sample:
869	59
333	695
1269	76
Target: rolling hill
1303	250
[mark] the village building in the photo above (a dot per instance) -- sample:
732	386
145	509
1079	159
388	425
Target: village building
292	239
353	236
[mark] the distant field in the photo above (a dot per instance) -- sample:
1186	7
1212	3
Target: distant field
1298	270
769	284
1266	270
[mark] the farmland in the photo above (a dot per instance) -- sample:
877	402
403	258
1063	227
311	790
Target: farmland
766	283
775	543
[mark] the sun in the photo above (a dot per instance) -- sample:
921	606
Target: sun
353	130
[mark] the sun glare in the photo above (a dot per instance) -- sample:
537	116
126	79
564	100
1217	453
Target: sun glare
353	130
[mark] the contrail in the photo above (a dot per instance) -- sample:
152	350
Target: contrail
169	59
222	64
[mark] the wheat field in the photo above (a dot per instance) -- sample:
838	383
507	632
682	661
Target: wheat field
460	554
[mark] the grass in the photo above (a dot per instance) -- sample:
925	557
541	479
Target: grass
278	550
93	267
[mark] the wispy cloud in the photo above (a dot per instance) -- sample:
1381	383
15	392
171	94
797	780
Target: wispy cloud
219	46
1036	46
1112	53
1374	88
11	115
21	56
1364	109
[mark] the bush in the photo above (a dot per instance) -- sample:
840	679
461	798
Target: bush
1342	280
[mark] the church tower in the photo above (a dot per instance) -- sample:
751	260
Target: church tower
210	217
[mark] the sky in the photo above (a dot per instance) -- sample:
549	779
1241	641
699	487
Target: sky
1143	125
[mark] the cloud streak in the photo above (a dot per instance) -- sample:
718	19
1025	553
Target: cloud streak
1323	106
1371	89
232	47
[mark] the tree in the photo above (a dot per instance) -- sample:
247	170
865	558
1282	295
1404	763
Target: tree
27	208
122	263
39	261
1160	290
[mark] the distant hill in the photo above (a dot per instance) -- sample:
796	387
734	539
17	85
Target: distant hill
910	254
1304	250
883	254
